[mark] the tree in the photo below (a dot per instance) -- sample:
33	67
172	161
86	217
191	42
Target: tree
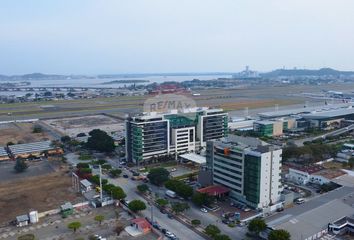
279	234
99	140
65	139
158	176
74	226
257	225
351	162
115	191
161	202
82	165
99	218
201	199
115	173
195	222
29	236
37	129
222	237
142	188
212	230
96	180
179	187
9	143
136	205
179	207
20	165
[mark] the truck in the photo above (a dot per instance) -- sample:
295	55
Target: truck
170	194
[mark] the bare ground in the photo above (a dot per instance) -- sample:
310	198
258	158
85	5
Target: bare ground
20	132
39	193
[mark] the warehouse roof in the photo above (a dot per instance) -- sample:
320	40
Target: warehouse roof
296	111
315	220
329	114
31	147
3	152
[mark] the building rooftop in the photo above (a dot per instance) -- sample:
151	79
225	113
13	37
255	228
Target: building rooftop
214	190
30	147
193	157
329	114
330	173
296	111
66	206
22	218
3	152
311	222
86	183
141	222
310	169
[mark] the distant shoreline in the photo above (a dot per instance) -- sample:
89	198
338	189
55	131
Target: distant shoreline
126	81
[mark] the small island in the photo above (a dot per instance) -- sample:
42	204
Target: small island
126	81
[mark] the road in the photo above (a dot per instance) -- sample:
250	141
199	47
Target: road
181	231
207	218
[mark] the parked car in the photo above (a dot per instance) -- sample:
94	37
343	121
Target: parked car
163	211
299	201
170	216
225	221
125	176
280	209
156	225
204	210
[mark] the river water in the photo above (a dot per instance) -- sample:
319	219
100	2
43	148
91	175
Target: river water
99	82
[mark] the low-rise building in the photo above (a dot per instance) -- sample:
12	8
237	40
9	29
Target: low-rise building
4	156
342	226
85	185
36	149
22	220
312	174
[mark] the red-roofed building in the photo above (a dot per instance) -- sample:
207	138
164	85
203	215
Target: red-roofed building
214	190
141	224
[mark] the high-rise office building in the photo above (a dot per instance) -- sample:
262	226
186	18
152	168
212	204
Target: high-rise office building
151	134
248	167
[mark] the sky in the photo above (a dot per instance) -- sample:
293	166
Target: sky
149	36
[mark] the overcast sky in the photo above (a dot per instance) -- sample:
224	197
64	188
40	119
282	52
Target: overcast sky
139	36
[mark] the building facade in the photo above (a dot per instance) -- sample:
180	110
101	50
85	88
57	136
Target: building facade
150	135
252	173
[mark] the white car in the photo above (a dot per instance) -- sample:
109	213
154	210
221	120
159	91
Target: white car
203	210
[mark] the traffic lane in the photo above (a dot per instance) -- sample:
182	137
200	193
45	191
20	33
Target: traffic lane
172	225
181	231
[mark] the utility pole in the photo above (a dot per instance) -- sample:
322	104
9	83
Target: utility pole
101	197
152	215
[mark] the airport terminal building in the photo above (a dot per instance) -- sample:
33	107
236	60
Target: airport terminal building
153	134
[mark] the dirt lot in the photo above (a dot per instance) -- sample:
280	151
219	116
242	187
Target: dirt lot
75	125
15	132
41	193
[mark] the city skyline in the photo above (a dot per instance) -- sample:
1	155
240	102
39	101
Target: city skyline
92	37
